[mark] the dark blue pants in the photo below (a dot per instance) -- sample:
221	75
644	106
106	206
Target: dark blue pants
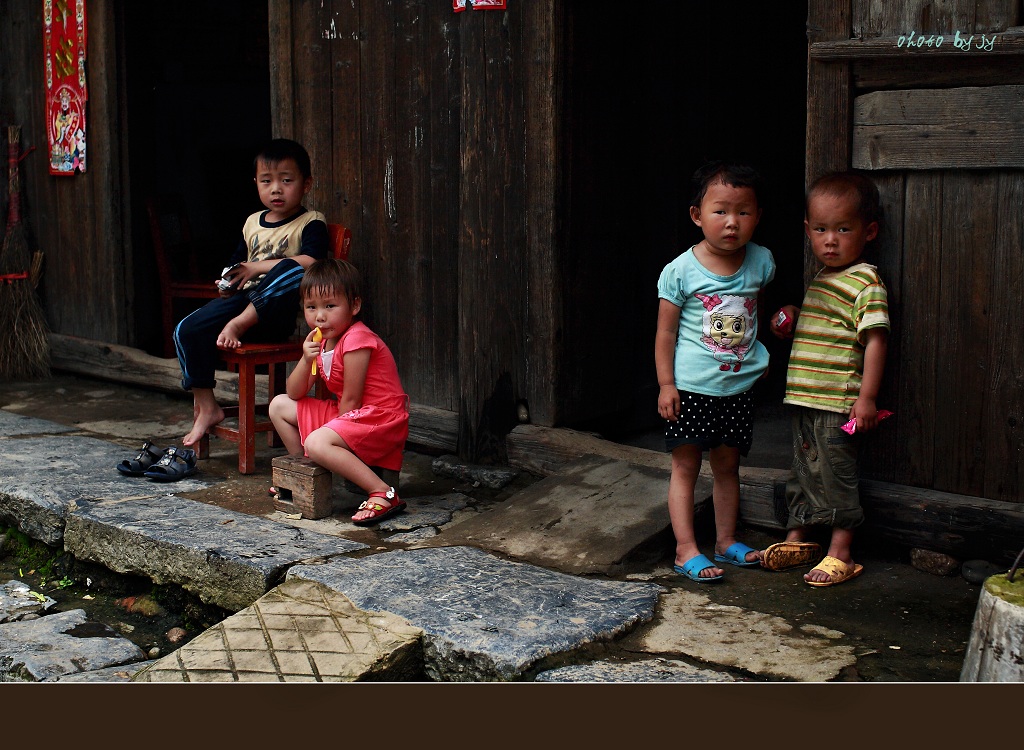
276	299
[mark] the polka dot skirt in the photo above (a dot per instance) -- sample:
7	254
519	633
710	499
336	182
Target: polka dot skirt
710	421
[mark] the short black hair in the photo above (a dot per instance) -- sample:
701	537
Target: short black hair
332	276
734	174
280	149
842	184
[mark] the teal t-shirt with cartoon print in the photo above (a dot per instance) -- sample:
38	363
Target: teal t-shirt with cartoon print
717	351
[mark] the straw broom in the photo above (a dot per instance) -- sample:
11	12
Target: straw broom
24	343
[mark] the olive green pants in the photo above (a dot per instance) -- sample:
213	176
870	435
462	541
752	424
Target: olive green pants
824	488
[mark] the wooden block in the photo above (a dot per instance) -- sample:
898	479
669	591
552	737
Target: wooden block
309	483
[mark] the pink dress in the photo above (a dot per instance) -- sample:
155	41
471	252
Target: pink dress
377	430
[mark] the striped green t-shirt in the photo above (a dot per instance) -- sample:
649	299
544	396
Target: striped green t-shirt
827	359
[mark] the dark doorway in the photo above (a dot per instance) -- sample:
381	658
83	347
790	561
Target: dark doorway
197	108
652	92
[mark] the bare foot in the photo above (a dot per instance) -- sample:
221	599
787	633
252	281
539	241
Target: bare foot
231	336
207	418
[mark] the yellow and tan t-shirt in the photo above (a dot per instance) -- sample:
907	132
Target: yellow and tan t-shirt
266	241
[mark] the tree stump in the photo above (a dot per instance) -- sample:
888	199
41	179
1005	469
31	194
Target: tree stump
995	652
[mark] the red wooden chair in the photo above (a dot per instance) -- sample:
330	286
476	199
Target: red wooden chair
244	360
175	262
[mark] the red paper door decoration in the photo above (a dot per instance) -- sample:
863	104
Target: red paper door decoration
64	46
460	5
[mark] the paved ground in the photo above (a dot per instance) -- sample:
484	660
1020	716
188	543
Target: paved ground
894	623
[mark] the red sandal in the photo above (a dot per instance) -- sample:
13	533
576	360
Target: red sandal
380	512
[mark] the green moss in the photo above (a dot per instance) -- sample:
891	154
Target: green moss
31	554
1009	592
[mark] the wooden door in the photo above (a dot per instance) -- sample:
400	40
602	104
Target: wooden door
927	97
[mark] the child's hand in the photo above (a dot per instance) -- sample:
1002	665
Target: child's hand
317	337
668	403
311	347
865	412
239	276
784	321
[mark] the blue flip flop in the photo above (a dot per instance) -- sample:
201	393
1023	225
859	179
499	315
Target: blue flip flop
737	555
692	568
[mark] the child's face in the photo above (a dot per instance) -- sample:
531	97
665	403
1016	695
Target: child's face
282	187
727	216
332	313
836	230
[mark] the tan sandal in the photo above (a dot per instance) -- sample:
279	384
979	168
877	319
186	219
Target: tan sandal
786	555
379	512
837	570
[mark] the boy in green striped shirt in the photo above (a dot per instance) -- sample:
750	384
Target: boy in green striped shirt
835	371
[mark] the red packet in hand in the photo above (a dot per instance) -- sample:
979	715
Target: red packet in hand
851	426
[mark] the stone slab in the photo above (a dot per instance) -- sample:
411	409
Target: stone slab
648	670
301	631
756	642
12	424
60	644
119	673
586	519
494	477
226	558
41	477
421	512
18	600
484	618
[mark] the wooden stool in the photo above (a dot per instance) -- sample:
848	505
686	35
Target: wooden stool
310	485
244	360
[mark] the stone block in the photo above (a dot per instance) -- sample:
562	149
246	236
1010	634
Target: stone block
300	631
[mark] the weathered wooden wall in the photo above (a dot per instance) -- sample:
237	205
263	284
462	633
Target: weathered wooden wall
939	129
78	221
418	122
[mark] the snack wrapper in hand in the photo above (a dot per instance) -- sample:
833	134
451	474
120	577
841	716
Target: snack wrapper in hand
783	322
851	426
317	337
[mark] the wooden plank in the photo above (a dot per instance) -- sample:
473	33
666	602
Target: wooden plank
1003	418
311	87
125	364
439	241
897	47
492	275
344	43
377	157
828	101
957	525
429	427
967	309
875	18
938	129
881	455
918	420
543	22
918	71
408	184
282	97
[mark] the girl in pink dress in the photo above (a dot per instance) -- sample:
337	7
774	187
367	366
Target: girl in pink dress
369	422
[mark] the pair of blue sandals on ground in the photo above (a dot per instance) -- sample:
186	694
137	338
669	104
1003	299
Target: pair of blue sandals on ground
168	465
736	554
